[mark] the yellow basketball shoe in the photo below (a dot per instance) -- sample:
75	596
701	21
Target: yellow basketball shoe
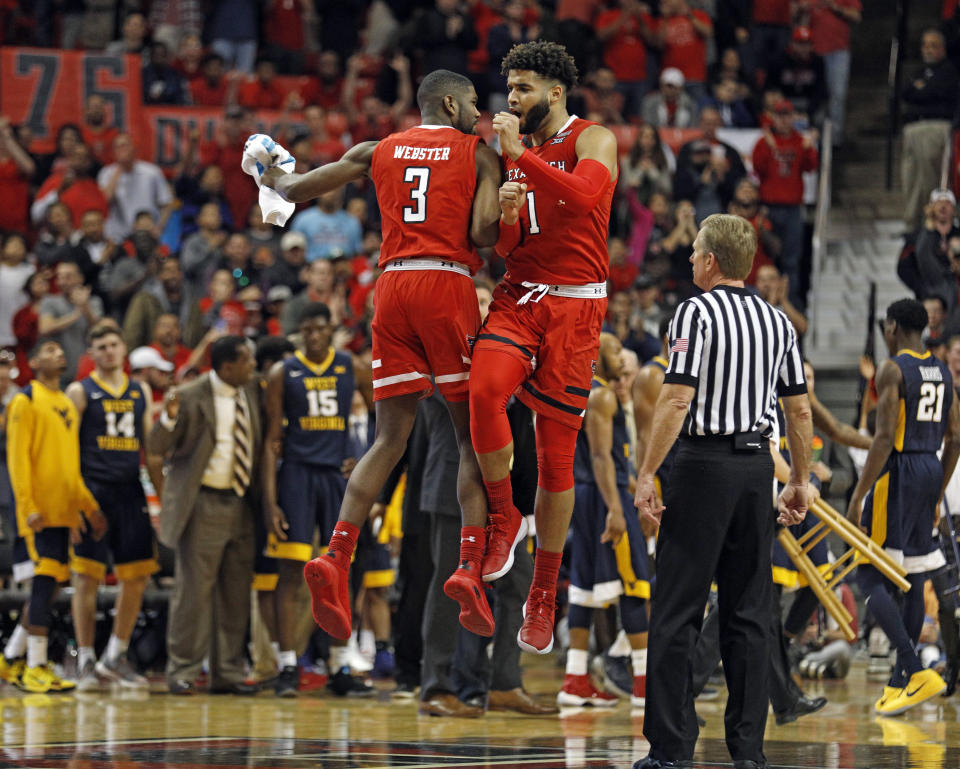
889	692
921	687
10	670
42	679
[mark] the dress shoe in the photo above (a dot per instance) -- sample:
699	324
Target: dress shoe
446	704
181	687
655	763
801	707
950	673
751	764
240	689
519	701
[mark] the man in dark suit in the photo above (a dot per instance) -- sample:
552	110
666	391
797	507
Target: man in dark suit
457	675
210	433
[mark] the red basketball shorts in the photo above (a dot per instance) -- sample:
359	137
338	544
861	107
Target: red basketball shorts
424	323
557	339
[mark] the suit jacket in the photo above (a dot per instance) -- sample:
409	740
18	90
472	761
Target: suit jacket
188	448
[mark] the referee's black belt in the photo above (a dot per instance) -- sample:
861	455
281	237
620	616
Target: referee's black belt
750	443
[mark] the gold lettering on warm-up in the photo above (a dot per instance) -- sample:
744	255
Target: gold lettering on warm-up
118	407
117	443
322	423
320	382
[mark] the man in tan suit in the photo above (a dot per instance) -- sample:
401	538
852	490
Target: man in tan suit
210	433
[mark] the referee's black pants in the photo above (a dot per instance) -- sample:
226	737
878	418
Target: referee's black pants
717	525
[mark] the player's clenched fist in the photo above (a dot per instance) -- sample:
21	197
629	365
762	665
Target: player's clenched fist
507	127
512	195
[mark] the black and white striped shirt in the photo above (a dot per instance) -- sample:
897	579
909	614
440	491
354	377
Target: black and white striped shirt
739	354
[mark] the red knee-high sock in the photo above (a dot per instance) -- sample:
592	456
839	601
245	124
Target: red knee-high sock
500	496
343	542
472	540
546	568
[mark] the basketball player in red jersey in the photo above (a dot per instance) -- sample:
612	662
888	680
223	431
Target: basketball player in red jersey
437	189
542	333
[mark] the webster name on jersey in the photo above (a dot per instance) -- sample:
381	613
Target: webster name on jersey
404	152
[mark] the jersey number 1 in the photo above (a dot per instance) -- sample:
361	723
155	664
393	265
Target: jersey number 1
420	177
930	408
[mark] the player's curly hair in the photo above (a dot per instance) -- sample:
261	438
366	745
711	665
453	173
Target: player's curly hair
909	314
549	60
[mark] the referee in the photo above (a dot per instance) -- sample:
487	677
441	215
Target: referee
731	356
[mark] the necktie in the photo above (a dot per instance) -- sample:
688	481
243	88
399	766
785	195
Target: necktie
241	448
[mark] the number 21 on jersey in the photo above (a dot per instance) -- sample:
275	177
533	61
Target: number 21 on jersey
930	408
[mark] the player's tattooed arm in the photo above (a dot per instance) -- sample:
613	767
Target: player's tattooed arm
300	187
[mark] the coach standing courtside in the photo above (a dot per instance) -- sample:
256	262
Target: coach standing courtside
210	433
731	357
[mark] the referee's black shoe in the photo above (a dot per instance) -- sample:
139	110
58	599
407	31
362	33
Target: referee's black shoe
802	707
750	765
655	763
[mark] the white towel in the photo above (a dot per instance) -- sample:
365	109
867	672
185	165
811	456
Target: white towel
259	153
276	209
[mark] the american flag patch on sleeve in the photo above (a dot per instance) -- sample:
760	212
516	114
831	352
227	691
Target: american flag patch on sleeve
680	345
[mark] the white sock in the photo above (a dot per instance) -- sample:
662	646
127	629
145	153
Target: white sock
287	659
36	651
275	646
17	644
638	659
338	658
368	644
116	648
620	647
577	662
85	654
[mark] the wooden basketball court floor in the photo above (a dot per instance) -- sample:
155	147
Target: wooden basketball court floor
156	730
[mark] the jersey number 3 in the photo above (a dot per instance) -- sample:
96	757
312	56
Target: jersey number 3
420	177
930	408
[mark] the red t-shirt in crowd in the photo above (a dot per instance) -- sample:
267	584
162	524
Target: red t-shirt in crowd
781	169
283	24
180	357
81	196
622	276
829	32
761	258
232	314
14	198
683	48
773	12
326	151
100	141
238	191
256	95
625	53
326	95
26	328
205	95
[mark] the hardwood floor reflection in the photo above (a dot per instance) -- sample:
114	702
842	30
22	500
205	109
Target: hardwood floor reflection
89	731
